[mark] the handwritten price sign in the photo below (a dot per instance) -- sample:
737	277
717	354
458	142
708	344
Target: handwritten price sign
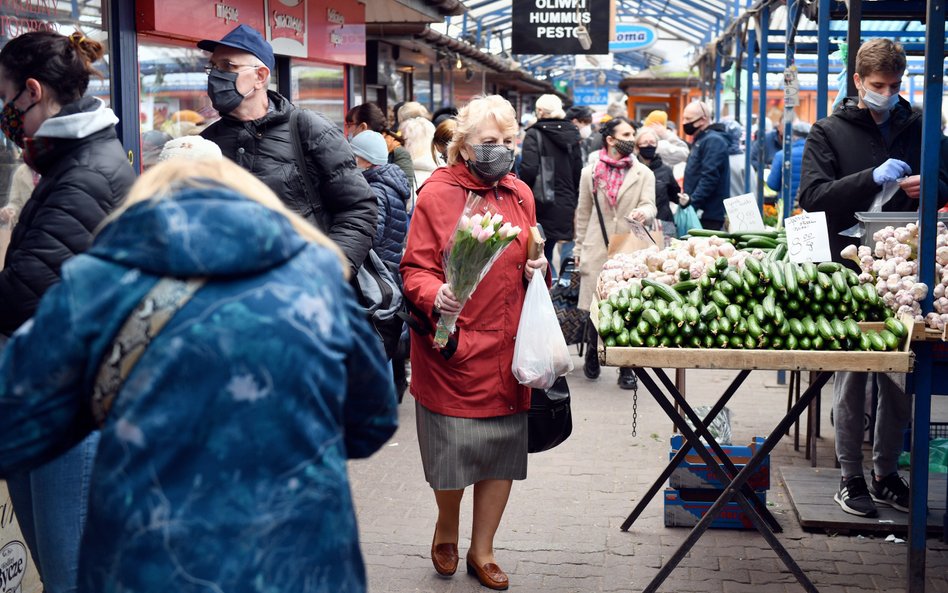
743	213
807	238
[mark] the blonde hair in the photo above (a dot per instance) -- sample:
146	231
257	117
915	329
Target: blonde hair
411	110
472	116
417	134
166	179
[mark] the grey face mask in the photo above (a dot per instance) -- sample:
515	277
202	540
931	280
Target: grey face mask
491	161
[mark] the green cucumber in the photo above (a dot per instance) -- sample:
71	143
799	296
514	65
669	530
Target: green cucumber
735	279
635	306
652	317
720	299
726	287
610	342
635	290
896	327
663	290
828	267
818	343
753	266
678	315
709	312
839	281
811	271
751	280
890	339
790	278
721	264
876	341
736	342
618	323
791	342
623	338
691	314
839	328
750	343
777	280
651	342
705	281
805	343
770	306
733	313
825	328
684	275
685	287
824	280
648	292
643	328
859	295
779	253
725	325
635	339
809	327
796	327
695	297
760	314
852	278
709	233
852	329
864	342
753	327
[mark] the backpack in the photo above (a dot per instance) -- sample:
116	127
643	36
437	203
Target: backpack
375	284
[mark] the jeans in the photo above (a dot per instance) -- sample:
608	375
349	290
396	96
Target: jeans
893	412
50	503
566	251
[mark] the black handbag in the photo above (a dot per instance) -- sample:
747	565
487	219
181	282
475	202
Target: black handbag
544	190
566	303
549	421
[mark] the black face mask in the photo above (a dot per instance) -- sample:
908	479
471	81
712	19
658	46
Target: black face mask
690	128
491	161
625	147
647	152
222	89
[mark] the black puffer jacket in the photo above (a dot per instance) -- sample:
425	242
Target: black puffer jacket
666	189
85	175
347	207
558	139
840	153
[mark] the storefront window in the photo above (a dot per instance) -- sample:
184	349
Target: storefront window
319	88
24	16
421	81
174	98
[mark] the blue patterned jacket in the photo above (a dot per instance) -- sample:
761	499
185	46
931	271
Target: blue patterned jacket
222	466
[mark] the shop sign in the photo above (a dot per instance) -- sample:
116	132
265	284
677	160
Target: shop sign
631	37
591	95
26	16
552	26
287	27
337	31
198	19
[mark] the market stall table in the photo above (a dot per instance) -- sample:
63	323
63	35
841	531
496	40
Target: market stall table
824	363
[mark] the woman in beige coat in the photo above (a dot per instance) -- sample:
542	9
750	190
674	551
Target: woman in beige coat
622	187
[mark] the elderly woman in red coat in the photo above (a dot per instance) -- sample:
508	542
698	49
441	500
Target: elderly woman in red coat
470	410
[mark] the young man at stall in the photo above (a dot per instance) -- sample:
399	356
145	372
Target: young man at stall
869	142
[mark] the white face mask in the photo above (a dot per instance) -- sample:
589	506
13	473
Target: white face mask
585	131
879	103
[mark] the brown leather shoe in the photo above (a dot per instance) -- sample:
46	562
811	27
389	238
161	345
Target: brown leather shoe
490	575
445	558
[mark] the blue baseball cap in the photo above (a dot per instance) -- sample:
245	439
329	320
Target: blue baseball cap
244	38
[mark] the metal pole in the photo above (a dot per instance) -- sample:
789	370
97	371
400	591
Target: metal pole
788	113
931	144
853	41
822	59
762	26
748	129
717	82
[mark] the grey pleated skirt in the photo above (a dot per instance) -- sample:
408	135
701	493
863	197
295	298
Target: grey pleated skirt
457	452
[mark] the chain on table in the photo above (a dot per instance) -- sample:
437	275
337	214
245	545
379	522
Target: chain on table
635	405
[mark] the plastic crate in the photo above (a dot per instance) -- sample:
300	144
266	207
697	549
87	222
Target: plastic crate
875	221
938	430
684	508
693	472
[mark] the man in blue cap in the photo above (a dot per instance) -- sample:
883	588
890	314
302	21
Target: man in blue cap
254	131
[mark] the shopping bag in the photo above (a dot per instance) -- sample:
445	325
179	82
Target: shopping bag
565	299
686	219
541	354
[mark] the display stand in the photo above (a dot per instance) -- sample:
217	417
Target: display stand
657	359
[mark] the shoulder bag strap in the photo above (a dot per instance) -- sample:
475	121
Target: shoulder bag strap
300	157
602	221
145	322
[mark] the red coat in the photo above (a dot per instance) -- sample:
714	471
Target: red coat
476	380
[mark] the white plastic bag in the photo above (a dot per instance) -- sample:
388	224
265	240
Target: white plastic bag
541	354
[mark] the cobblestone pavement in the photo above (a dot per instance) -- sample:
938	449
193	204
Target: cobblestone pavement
561	531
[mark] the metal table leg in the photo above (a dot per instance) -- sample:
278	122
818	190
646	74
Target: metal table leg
732	490
680	456
729	470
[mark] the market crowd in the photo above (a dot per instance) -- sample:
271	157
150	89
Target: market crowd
192	355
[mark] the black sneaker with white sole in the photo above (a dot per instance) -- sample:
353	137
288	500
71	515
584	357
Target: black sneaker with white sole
891	490
853	497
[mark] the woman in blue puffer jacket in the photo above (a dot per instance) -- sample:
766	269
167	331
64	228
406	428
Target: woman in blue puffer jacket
222	461
393	192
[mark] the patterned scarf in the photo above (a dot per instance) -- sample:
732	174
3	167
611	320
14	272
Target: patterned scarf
609	174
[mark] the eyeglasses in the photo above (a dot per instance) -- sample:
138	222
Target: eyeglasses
228	67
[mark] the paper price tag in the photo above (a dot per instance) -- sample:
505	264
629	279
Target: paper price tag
743	214
791	87
807	238
639	231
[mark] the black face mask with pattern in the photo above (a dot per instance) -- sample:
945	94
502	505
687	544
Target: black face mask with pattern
491	161
625	147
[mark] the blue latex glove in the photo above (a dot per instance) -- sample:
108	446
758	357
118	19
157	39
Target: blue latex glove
890	170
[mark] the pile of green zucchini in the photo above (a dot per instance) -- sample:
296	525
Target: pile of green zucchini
768	304
772	242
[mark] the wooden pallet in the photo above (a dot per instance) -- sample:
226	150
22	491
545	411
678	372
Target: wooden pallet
811	489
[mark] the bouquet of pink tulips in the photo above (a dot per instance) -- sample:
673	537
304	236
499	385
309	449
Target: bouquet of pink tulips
480	236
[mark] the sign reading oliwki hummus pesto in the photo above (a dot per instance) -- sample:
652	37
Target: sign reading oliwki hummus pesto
562	27
17	572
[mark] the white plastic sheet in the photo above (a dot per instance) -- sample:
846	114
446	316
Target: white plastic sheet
541	354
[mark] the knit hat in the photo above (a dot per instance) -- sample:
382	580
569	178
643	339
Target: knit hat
551	106
800	129
190	147
371	146
656	117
